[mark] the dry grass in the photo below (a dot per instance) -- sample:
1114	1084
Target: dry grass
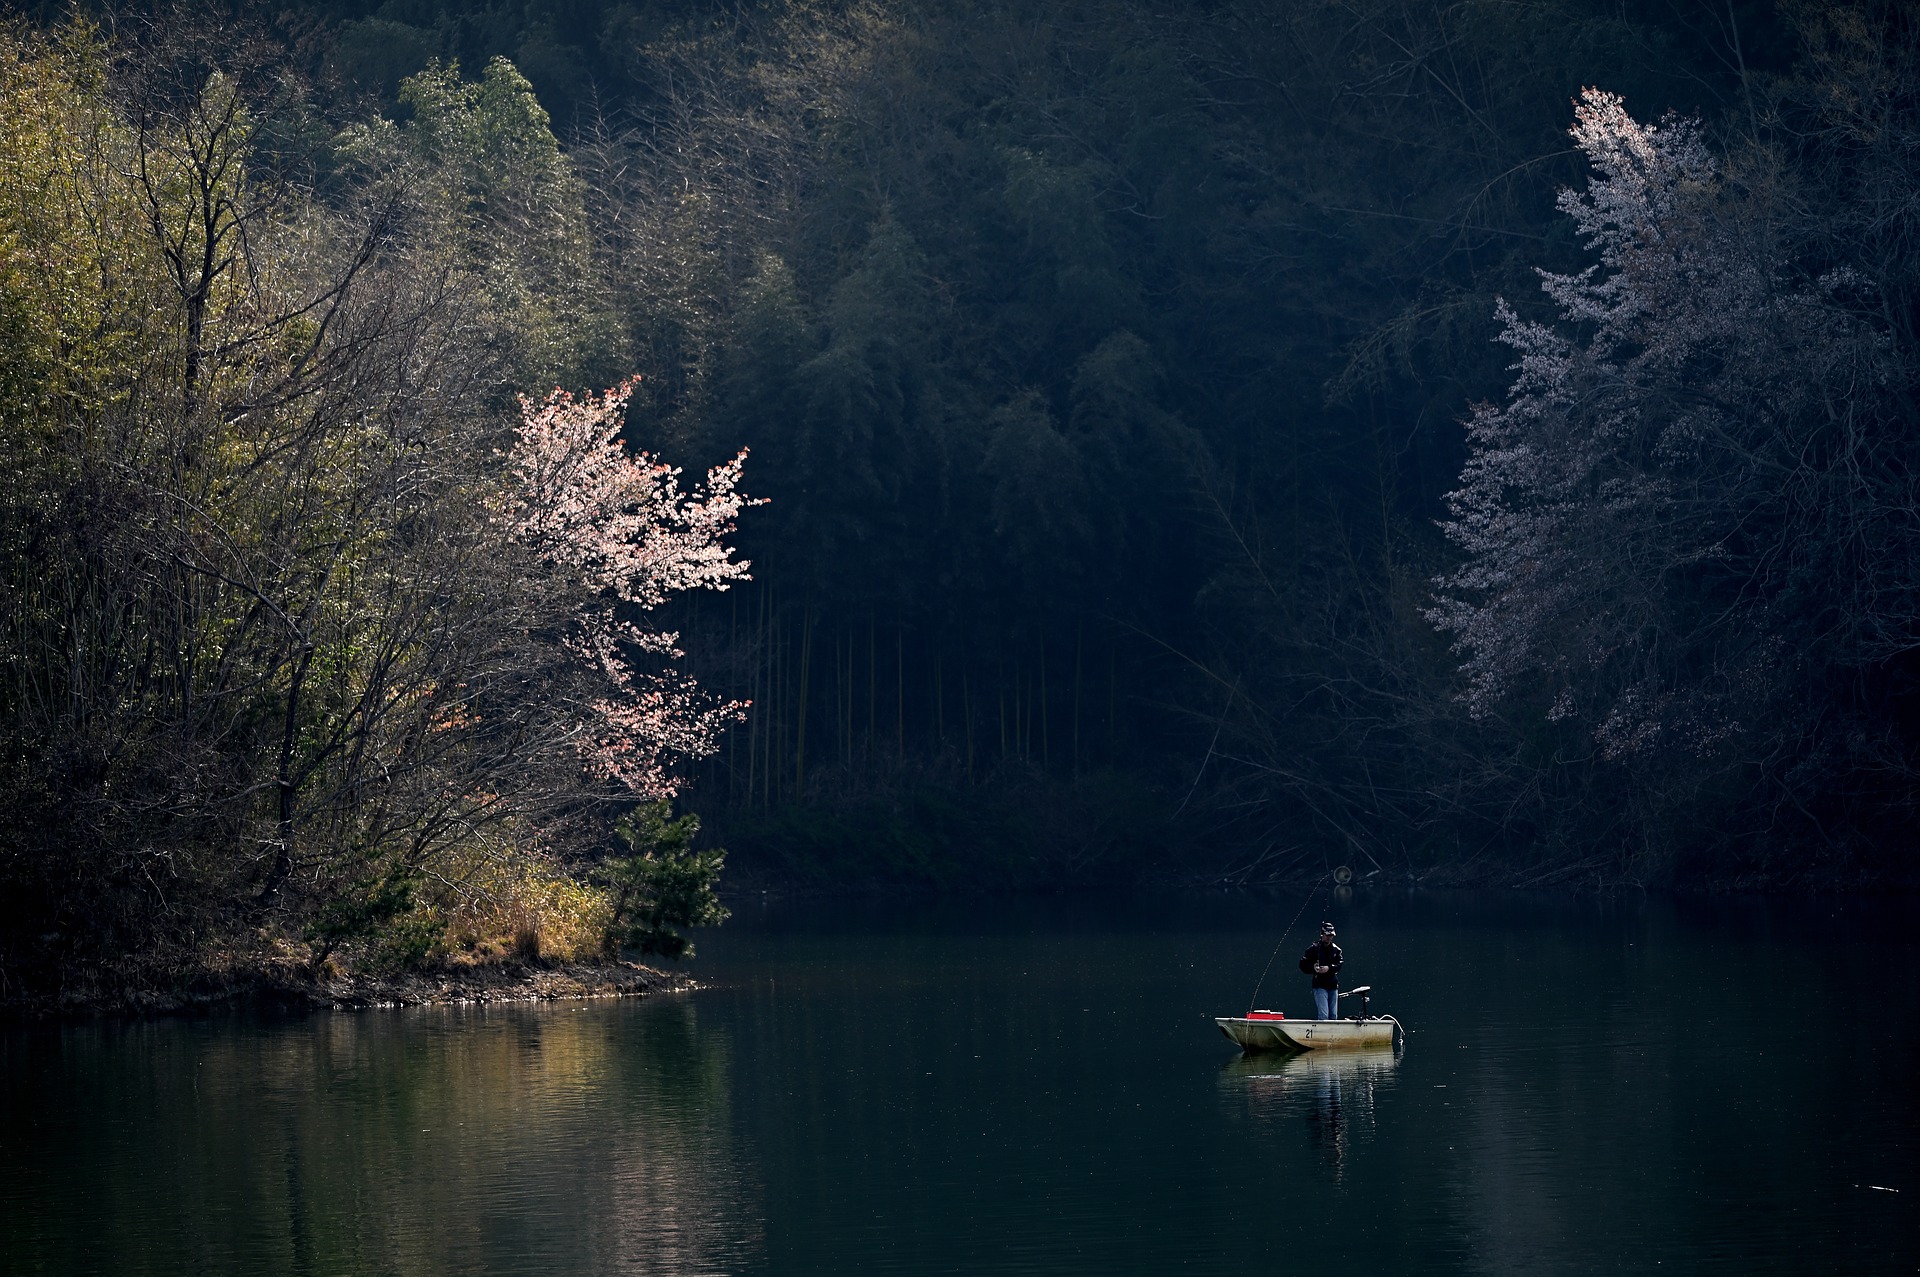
522	907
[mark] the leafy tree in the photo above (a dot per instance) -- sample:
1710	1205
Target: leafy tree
872	455
1146	468
1039	501
1691	516
662	883
494	174
306	649
1103	355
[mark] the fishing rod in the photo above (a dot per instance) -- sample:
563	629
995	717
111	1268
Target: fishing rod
1283	939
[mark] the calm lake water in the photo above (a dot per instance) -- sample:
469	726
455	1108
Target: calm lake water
1032	1087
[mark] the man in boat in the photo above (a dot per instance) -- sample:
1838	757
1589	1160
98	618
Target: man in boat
1322	962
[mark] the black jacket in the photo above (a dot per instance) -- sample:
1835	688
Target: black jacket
1324	953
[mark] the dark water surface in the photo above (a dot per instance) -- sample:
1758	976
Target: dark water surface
1031	1087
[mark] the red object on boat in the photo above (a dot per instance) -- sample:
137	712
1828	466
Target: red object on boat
1266	1015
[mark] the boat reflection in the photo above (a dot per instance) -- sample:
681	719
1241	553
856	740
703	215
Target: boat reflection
1289	1073
1333	1091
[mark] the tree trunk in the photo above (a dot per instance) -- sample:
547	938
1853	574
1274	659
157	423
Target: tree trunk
759	697
1046	748
283	779
1078	636
800	720
966	716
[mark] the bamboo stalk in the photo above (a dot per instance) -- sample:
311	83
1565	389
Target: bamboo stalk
966	716
1113	662
1079	634
733	654
766	712
1022	712
776	719
759	698
1001	697
1046	750
800	726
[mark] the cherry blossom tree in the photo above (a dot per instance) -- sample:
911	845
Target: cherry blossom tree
619	537
1691	515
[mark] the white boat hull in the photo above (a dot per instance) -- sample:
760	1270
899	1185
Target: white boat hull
1305	1035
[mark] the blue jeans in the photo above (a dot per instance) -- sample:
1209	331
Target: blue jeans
1326	1004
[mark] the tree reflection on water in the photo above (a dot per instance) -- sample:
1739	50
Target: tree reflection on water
583	1137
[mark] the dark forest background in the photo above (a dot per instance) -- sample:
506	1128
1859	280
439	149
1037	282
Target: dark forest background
1105	365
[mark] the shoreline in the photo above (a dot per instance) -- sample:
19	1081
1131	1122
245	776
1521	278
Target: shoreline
285	992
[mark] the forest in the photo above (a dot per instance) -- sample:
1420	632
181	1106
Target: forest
958	446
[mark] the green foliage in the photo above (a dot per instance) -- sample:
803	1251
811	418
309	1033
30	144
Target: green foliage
662	883
492	172
1104	364
377	914
278	675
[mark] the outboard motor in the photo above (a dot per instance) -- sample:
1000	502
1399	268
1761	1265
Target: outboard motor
1362	993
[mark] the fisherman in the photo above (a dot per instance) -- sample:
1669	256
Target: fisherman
1322	962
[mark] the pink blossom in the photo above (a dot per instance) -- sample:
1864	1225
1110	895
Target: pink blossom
1610	510
621	536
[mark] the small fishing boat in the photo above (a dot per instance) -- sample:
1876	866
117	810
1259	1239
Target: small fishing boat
1256	1032
1272	1031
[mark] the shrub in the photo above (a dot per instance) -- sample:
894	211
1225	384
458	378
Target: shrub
662	884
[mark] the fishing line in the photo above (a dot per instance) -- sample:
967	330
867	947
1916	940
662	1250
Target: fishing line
1283	939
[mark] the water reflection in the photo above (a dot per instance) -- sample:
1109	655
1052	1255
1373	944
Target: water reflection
682	1199
1335	1092
1013	1092
566	1138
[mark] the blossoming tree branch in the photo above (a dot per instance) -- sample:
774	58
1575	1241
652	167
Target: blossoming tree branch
622	536
1692	452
